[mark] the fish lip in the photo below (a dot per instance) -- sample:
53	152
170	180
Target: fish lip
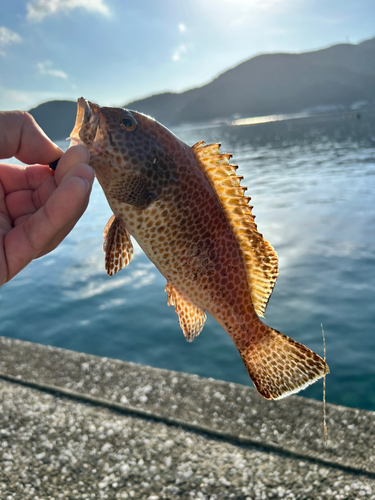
82	106
87	120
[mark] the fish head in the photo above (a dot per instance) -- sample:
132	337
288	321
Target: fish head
123	142
108	133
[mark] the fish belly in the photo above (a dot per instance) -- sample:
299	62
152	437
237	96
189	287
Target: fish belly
195	252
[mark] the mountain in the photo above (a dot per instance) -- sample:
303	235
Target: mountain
272	84
266	84
56	118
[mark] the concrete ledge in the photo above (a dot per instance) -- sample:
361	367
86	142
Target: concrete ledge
291	428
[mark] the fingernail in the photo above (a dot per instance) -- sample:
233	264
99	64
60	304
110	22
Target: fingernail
88	187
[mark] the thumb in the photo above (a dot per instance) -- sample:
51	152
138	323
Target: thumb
25	140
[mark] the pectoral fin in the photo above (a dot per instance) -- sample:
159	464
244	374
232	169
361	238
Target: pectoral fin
117	246
141	186
191	317
131	188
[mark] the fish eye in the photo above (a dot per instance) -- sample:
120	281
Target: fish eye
128	123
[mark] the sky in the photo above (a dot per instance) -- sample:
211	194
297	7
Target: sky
115	51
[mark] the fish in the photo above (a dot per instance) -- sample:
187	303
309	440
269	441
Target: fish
187	209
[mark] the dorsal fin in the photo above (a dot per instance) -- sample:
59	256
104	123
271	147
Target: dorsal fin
260	258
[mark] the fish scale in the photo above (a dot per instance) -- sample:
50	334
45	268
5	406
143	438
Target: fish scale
188	212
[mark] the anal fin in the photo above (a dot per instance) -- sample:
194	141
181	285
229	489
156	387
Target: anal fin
191	317
117	246
280	366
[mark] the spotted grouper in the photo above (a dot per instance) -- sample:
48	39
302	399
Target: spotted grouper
186	208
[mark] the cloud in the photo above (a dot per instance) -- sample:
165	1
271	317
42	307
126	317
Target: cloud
177	54
7	37
182	48
21	99
181	27
45	69
255	4
39	9
15	96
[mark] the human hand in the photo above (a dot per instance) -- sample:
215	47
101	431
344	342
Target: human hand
38	207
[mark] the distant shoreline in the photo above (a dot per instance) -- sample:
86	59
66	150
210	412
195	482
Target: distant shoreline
59	130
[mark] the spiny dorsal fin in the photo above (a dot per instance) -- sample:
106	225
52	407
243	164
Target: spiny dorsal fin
117	246
260	258
191	317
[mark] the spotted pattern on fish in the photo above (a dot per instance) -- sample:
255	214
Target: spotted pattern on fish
187	210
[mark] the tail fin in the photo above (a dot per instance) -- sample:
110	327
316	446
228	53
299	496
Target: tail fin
280	366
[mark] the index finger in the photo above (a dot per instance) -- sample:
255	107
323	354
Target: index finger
22	137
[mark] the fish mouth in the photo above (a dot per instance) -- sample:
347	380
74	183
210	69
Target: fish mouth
86	124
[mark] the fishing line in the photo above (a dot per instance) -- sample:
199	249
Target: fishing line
324	391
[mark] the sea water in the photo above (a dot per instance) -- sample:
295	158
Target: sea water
312	184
